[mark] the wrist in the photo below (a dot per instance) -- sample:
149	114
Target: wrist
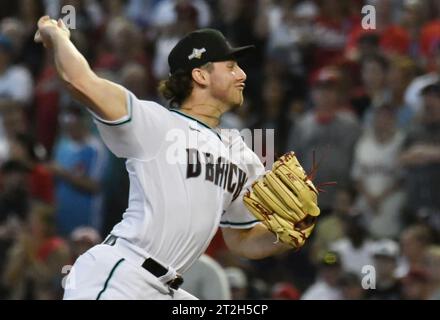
58	35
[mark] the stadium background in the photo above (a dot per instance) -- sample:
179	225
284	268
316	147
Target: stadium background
367	101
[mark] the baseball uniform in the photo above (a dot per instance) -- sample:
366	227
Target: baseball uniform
186	179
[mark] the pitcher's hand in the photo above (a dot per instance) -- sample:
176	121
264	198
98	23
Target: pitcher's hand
47	28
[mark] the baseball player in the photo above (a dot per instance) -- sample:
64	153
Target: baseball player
186	177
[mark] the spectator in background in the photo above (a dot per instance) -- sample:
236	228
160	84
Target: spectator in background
11	75
388	286
185	20
377	175
327	125
14	29
47	105
362	45
285	291
433	271
13	123
350	286
413	93
207	280
356	248
273	116
238	283
290	38
26	151
331	30
14	196
14	208
141	11
164	13
402	70
421	159
15	89
124	45
325	286
81	240
134	77
414	242
373	93
415	285
331	227
404	38
78	166
34	264
31	54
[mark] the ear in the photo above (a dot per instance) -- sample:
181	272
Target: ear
200	76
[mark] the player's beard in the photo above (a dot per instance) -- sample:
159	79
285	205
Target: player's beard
231	97
237	99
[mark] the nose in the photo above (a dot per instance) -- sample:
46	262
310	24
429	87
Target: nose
241	75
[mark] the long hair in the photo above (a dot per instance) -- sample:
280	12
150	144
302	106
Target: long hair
176	88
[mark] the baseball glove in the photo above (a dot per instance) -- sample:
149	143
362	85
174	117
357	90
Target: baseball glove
285	201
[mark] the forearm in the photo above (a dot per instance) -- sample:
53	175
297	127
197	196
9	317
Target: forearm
105	98
71	65
254	243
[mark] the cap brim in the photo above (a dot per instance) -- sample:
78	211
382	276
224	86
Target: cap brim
239	52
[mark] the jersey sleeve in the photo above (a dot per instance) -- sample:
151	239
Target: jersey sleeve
237	215
140	133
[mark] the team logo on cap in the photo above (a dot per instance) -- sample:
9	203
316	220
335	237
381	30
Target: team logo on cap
197	53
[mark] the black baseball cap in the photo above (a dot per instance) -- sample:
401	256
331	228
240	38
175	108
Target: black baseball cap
200	47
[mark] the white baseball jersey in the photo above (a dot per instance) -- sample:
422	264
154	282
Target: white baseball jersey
185	180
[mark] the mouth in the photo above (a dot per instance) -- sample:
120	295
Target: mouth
241	86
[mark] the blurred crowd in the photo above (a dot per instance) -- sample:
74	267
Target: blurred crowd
364	103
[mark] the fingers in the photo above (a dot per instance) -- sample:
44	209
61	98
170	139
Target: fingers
37	37
63	26
43	20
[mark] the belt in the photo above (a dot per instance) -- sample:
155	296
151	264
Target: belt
151	266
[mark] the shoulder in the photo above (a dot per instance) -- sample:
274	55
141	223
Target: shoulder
133	100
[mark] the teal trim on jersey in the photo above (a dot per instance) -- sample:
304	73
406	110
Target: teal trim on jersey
109	277
130	109
238	223
198	121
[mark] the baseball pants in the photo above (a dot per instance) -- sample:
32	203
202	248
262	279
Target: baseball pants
106	273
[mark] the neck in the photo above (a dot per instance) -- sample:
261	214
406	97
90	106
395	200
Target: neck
206	112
